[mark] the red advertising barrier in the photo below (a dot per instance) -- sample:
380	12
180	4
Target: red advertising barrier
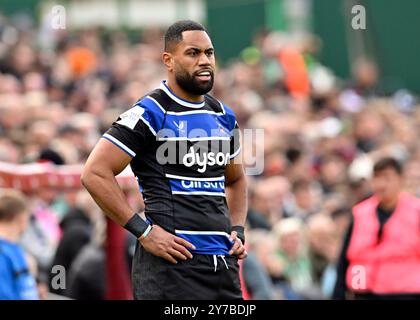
28	177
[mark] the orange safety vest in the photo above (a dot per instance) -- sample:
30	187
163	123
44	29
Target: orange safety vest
391	266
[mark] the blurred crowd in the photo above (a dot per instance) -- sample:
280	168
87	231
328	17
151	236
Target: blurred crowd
59	91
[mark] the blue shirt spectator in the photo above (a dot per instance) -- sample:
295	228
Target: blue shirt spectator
16	283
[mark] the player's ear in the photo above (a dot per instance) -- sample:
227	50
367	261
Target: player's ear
168	60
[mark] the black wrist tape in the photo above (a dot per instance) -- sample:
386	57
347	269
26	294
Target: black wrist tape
240	230
136	225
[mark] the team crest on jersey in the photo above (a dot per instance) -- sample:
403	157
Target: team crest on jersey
181	126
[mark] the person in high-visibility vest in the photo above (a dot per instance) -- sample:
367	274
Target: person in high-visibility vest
381	253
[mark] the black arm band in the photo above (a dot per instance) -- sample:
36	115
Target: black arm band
136	225
240	230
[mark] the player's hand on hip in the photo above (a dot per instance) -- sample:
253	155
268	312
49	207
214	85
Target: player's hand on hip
166	245
238	248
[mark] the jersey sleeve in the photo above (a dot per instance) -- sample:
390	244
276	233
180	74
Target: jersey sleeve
235	142
132	131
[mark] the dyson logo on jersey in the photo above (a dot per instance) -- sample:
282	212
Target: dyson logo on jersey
204	159
211	148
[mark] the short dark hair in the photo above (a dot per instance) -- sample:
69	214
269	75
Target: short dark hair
386	163
12	204
174	33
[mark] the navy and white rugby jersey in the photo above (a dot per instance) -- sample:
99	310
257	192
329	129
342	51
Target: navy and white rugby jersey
180	150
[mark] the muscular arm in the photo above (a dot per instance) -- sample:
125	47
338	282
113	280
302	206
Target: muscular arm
236	192
98	177
237	200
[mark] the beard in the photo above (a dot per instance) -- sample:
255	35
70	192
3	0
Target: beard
191	84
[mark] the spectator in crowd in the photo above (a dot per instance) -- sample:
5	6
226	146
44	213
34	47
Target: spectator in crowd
87	273
257	281
16	280
78	227
305	201
380	255
262	244
87	280
41	237
267	201
293	256
324	243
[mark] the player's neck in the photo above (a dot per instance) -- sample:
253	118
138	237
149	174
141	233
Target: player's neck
181	93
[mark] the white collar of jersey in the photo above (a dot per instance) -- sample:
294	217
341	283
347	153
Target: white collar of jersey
179	100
